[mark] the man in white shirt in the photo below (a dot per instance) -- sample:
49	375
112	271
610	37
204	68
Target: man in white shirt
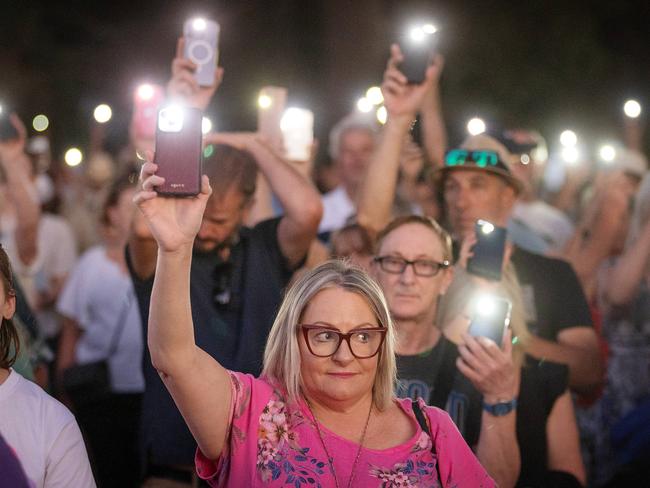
351	144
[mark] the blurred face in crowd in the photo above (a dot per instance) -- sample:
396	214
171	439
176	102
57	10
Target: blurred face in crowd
222	218
351	244
355	149
341	377
409	296
471	195
121	215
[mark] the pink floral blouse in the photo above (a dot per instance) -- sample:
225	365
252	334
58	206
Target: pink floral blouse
272	443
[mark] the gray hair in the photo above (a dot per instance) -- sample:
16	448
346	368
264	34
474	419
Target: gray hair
282	364
353	121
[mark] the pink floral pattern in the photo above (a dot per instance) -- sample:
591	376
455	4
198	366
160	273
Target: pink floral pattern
280	441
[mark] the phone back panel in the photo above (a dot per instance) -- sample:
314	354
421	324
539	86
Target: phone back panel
179	156
493	326
202	48
487	260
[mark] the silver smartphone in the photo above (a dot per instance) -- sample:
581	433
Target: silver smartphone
202	47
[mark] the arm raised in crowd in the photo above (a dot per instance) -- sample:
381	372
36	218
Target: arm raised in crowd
183	88
626	276
298	196
402	102
597	235
199	385
21	192
434	132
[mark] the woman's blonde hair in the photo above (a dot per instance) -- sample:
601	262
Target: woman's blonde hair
463	288
282	354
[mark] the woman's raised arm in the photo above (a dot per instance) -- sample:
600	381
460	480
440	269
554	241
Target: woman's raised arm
199	385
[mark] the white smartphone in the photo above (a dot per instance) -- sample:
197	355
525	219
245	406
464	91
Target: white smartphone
297	126
202	47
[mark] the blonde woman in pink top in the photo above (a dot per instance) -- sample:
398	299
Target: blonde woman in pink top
323	413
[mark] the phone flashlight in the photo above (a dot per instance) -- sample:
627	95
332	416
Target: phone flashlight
170	119
490	317
632	109
607	153
264	101
297	125
418	49
145	92
486	227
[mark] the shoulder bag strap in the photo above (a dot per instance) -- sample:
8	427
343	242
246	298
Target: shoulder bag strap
121	322
424	425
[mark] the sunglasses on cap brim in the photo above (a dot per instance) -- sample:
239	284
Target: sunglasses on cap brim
478	159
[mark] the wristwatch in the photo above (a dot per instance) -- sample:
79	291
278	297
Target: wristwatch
501	408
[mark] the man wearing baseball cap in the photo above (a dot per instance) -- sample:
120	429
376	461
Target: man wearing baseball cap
557	312
477	182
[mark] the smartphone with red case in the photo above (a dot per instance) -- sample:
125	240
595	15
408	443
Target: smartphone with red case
179	151
147	99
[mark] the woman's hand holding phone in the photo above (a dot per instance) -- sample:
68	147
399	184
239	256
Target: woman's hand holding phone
174	222
183	85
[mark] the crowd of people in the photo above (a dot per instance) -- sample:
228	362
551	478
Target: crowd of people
264	332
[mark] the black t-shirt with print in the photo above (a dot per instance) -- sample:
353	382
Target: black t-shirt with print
542	382
234	304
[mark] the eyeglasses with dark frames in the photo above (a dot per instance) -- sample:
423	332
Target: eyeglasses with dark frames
421	267
323	341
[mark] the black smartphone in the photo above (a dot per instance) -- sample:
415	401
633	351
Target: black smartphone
179	150
418	48
7	129
490	317
488	251
202	47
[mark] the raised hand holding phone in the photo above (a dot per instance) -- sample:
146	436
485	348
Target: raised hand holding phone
418	48
179	152
174	222
201	46
184	87
402	99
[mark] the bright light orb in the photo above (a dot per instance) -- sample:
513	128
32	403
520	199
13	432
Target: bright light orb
476	126
206	125
568	138
40	123
632	109
417	34
73	157
199	24
429	29
264	101
485	306
382	115
487	228
607	153
102	113
145	92
364	105
374	95
570	154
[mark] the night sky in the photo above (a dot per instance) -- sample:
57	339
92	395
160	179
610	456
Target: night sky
541	64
